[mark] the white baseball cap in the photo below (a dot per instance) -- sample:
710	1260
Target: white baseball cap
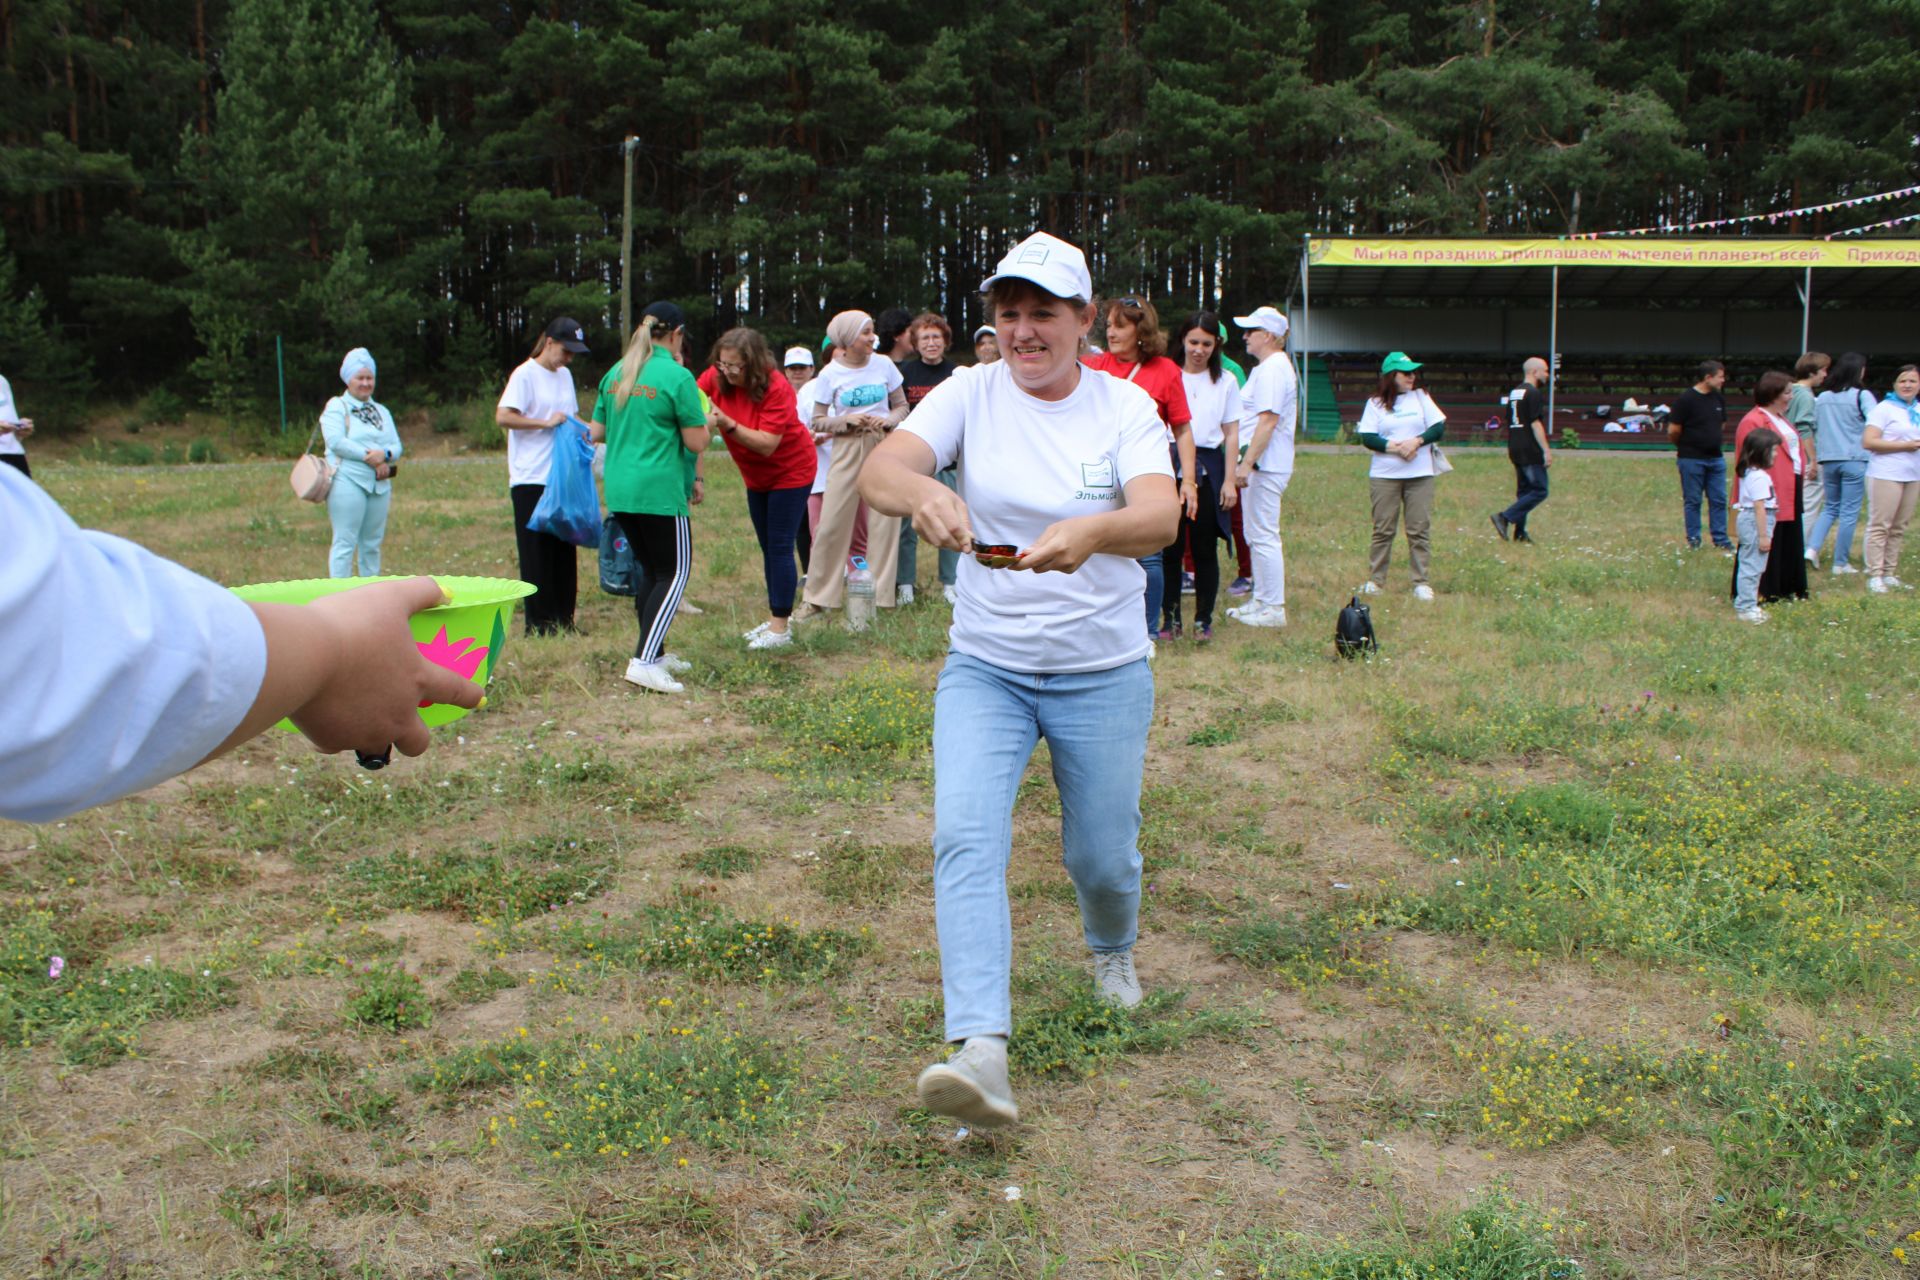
1264	318
799	355
986	330
1049	262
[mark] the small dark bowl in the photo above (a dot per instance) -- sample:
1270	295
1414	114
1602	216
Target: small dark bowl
995	555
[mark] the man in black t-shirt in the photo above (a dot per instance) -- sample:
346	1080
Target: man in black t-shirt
1697	426
1528	449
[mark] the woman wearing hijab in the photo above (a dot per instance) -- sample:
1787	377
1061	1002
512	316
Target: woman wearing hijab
364	446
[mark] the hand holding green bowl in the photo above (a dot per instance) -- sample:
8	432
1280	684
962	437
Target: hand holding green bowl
466	635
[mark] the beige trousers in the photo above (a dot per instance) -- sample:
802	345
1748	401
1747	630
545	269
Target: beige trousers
1390	497
827	572
1890	505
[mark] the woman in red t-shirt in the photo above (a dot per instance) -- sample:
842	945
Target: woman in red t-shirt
756	413
1137	353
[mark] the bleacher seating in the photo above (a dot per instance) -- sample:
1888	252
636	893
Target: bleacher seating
1472	390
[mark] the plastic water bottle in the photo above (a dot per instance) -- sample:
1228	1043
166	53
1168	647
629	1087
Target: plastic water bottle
859	594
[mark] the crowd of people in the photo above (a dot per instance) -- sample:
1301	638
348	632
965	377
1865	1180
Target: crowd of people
1067	487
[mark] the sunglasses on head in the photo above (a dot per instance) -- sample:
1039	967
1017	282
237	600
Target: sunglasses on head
1136	304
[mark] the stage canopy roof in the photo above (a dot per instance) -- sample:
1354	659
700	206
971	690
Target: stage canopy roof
1640	268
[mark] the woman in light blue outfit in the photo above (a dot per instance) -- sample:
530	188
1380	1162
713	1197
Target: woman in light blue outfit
364	446
1840	415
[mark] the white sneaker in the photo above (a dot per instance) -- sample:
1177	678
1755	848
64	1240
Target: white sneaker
1841	570
1259	615
1878	586
1892	581
1813	558
971	1086
1369	588
771	639
1751	615
693	609
903	595
950	595
652	675
757	631
675	664
1115	979
1422	591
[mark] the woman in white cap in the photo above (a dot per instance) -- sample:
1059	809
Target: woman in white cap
1069	469
1401	425
364	446
986	344
799	367
857	399
1268	417
539	397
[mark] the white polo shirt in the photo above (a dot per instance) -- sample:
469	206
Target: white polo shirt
1025	464
1272	387
1215	406
1896	422
1412	413
536	391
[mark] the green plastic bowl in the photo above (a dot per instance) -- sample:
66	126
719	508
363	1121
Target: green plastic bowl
466	636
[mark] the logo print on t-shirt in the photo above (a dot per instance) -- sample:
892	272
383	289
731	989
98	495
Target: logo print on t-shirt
862	396
1097	475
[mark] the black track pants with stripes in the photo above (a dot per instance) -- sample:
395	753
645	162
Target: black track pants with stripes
663	551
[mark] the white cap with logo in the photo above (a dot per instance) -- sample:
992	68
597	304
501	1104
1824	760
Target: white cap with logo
1049	262
799	355
1264	318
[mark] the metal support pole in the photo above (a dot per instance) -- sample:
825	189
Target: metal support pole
280	368
1553	350
1806	309
1305	425
626	247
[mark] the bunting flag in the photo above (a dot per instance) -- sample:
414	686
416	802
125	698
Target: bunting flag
1778	216
1875	226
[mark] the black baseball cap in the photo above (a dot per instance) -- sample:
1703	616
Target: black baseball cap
567	332
666	313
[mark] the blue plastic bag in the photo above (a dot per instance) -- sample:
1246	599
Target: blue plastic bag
618	574
570	508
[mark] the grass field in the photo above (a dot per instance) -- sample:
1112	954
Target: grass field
1574	935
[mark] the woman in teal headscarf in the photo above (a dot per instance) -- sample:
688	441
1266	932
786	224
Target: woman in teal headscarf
364	447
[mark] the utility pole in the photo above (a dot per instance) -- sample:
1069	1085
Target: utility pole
626	248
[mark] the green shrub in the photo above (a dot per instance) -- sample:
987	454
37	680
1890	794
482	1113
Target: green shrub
390	999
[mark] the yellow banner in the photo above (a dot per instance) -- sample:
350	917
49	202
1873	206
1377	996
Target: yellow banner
1635	252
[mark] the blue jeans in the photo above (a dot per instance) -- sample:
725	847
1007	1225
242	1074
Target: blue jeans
1708	476
1530	490
359	525
1843	485
1156	591
1752	561
986	721
777	516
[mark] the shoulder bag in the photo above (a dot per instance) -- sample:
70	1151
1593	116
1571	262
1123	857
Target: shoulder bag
312	475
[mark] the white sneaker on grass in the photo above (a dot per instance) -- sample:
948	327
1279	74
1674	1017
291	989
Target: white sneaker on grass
1842	569
1878	586
1114	978
652	676
1259	615
950	595
1813	558
1421	591
903	594
762	629
771	639
1369	588
675	664
1894	582
971	1086
1751	615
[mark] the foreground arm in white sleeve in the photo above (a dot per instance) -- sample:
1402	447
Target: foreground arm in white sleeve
129	669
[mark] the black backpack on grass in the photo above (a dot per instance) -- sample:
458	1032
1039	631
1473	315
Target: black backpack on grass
1353	633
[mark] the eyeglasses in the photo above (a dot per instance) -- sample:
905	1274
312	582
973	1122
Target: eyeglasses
732	366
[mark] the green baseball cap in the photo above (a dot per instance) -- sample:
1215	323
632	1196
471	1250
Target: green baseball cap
1398	362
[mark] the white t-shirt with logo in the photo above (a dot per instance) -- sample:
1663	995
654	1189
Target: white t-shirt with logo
864	390
536	391
1896	422
1272	387
1757	486
1412	413
9	442
1026	464
1215	406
